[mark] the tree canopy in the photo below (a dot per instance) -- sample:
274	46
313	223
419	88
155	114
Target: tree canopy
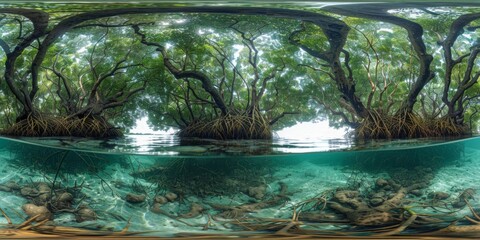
387	70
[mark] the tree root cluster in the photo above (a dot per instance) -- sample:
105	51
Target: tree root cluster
40	125
406	125
230	126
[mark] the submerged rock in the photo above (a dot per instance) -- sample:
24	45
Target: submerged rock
63	200
32	210
257	192
29	192
171	196
43	187
156	208
160	199
85	214
381	182
416	192
376	201
439	195
64	197
135	198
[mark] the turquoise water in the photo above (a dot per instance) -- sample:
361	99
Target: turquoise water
242	193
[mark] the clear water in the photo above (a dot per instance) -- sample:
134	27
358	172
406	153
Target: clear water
221	183
171	145
310	187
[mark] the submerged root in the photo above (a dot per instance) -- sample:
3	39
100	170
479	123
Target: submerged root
230	126
32	228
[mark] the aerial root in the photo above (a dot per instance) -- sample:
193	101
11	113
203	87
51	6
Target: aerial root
406	124
42	125
230	126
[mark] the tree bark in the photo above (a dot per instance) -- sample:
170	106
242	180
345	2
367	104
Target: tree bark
455	104
331	26
39	20
415	35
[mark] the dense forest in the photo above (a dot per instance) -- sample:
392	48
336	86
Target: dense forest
239	72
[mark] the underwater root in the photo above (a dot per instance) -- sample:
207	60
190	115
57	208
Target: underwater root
33	228
230	126
406	124
40	125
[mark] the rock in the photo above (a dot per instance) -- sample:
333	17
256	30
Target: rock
156	208
135	198
380	194
416	192
43	198
257	192
33	210
85	214
160	199
12	185
64	197
43	187
439	195
63	200
381	182
4	188
171	196
376	201
29	192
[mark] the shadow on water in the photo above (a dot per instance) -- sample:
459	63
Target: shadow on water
411	191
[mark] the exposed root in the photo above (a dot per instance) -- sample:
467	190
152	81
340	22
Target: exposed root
230	126
38	125
90	126
447	127
41	125
406	124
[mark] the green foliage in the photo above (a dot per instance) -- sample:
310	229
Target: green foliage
249	60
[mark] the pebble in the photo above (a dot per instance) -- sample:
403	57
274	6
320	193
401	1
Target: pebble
171	196
376	201
135	198
160	199
439	195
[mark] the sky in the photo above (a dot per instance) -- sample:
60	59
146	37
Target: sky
305	130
